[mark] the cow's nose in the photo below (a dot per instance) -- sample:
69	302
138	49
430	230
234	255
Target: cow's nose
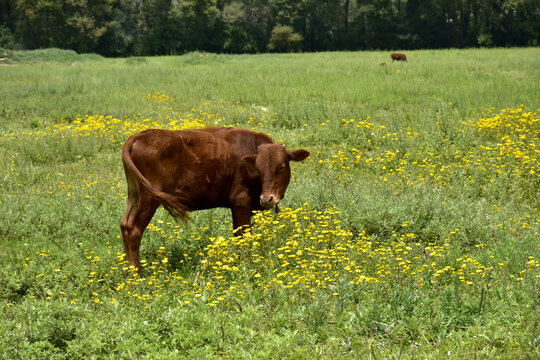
268	201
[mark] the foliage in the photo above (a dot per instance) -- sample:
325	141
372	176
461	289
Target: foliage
45	55
157	27
246	26
73	24
6	38
411	231
284	39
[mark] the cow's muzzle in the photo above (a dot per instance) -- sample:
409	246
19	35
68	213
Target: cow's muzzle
268	201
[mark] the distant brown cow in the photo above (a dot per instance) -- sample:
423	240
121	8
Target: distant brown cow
201	169
398	57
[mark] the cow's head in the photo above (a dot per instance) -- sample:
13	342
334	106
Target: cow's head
271	166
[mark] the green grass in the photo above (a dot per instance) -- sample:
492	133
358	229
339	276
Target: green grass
410	232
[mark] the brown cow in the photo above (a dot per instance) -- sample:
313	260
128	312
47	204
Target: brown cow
398	57
190	170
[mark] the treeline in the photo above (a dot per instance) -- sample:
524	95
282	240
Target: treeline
155	27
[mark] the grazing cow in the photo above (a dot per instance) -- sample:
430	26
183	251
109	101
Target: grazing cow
190	170
398	57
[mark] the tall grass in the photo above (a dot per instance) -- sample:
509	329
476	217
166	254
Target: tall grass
300	88
410	232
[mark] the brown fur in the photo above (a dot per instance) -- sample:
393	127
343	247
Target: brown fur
201	169
398	57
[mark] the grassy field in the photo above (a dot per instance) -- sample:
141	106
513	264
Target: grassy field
412	230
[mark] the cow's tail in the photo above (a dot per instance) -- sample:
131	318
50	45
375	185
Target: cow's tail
170	203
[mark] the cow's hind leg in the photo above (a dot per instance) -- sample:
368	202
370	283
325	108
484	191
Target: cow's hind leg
133	228
140	210
132	206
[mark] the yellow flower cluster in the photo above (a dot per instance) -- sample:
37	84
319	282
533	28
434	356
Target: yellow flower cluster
300	250
515	147
507	151
117	129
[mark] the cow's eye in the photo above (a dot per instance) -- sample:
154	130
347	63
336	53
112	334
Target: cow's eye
282	167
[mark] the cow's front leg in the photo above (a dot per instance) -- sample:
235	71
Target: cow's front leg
241	219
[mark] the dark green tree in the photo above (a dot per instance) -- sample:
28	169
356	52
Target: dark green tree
7	23
71	24
161	28
374	24
520	23
8	14
198	23
86	21
151	27
247	25
40	23
320	22
124	36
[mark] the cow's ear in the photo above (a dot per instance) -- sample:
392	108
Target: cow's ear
298	155
248	168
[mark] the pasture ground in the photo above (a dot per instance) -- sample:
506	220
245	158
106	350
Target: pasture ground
412	230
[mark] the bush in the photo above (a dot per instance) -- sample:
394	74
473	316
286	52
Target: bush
284	39
485	40
6	38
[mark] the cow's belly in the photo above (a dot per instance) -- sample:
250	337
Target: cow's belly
203	194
